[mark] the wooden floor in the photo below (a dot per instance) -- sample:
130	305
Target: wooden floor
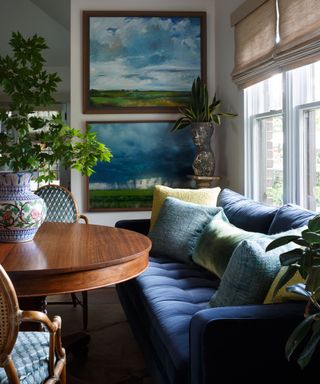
113	356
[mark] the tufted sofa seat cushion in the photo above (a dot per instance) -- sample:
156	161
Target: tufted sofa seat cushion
164	298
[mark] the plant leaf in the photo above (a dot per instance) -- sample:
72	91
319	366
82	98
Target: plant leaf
281	241
289	273
311	237
301	242
299	289
314	224
309	349
291	257
296	337
313	280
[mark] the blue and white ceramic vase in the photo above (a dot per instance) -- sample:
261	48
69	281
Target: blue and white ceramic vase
21	211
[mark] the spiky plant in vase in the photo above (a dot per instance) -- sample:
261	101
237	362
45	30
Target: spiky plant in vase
202	115
29	143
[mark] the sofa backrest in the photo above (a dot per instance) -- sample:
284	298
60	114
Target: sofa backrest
253	216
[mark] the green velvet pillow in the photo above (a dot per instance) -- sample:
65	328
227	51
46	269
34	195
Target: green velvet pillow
217	243
178	227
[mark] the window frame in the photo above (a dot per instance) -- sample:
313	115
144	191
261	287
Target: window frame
251	138
295	158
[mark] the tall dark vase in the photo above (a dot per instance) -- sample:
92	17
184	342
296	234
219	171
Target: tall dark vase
204	161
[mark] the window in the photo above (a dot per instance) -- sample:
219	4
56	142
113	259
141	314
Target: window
62	174
283	138
45	114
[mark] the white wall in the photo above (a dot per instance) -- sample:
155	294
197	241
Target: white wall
230	135
78	183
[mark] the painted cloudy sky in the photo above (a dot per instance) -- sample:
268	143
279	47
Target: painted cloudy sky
143	150
144	53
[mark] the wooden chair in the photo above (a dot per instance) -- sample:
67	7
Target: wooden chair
62	207
28	357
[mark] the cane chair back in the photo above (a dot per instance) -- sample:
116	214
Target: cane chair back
62	207
28	357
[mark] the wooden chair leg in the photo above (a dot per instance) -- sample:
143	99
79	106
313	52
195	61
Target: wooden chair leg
74	299
11	372
63	377
85	309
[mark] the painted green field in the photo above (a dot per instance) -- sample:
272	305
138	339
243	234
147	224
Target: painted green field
125	99
120	198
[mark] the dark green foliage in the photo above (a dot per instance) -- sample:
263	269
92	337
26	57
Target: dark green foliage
200	109
34	143
306	260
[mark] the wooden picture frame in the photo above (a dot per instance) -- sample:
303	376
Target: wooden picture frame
145	153
141	62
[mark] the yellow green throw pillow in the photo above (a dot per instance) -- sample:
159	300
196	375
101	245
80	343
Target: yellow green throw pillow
203	196
283	295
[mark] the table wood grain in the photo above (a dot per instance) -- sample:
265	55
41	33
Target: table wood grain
74	257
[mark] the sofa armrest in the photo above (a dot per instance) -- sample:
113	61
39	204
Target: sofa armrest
137	225
232	343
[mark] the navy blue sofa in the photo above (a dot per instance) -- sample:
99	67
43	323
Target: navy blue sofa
184	341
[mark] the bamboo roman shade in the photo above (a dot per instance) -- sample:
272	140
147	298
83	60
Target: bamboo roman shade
255	35
299	29
272	36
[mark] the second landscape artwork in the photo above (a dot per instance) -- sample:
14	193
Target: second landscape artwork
144	154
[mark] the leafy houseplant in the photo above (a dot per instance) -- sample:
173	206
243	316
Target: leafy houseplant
202	115
306	260
31	143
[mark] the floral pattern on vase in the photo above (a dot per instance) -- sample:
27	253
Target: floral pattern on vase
21	211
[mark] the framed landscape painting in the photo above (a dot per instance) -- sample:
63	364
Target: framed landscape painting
141	62
145	153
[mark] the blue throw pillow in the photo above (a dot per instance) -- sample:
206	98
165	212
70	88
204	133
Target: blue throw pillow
290	216
250	272
244	213
178	227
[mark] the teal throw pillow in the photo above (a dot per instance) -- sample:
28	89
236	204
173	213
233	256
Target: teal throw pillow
250	272
178	227
248	276
217	243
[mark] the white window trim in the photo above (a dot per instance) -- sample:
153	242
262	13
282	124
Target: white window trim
294	174
301	176
251	131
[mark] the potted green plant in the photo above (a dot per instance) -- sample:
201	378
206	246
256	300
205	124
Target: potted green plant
202	115
29	143
304	259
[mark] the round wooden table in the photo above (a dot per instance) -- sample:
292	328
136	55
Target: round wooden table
74	257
